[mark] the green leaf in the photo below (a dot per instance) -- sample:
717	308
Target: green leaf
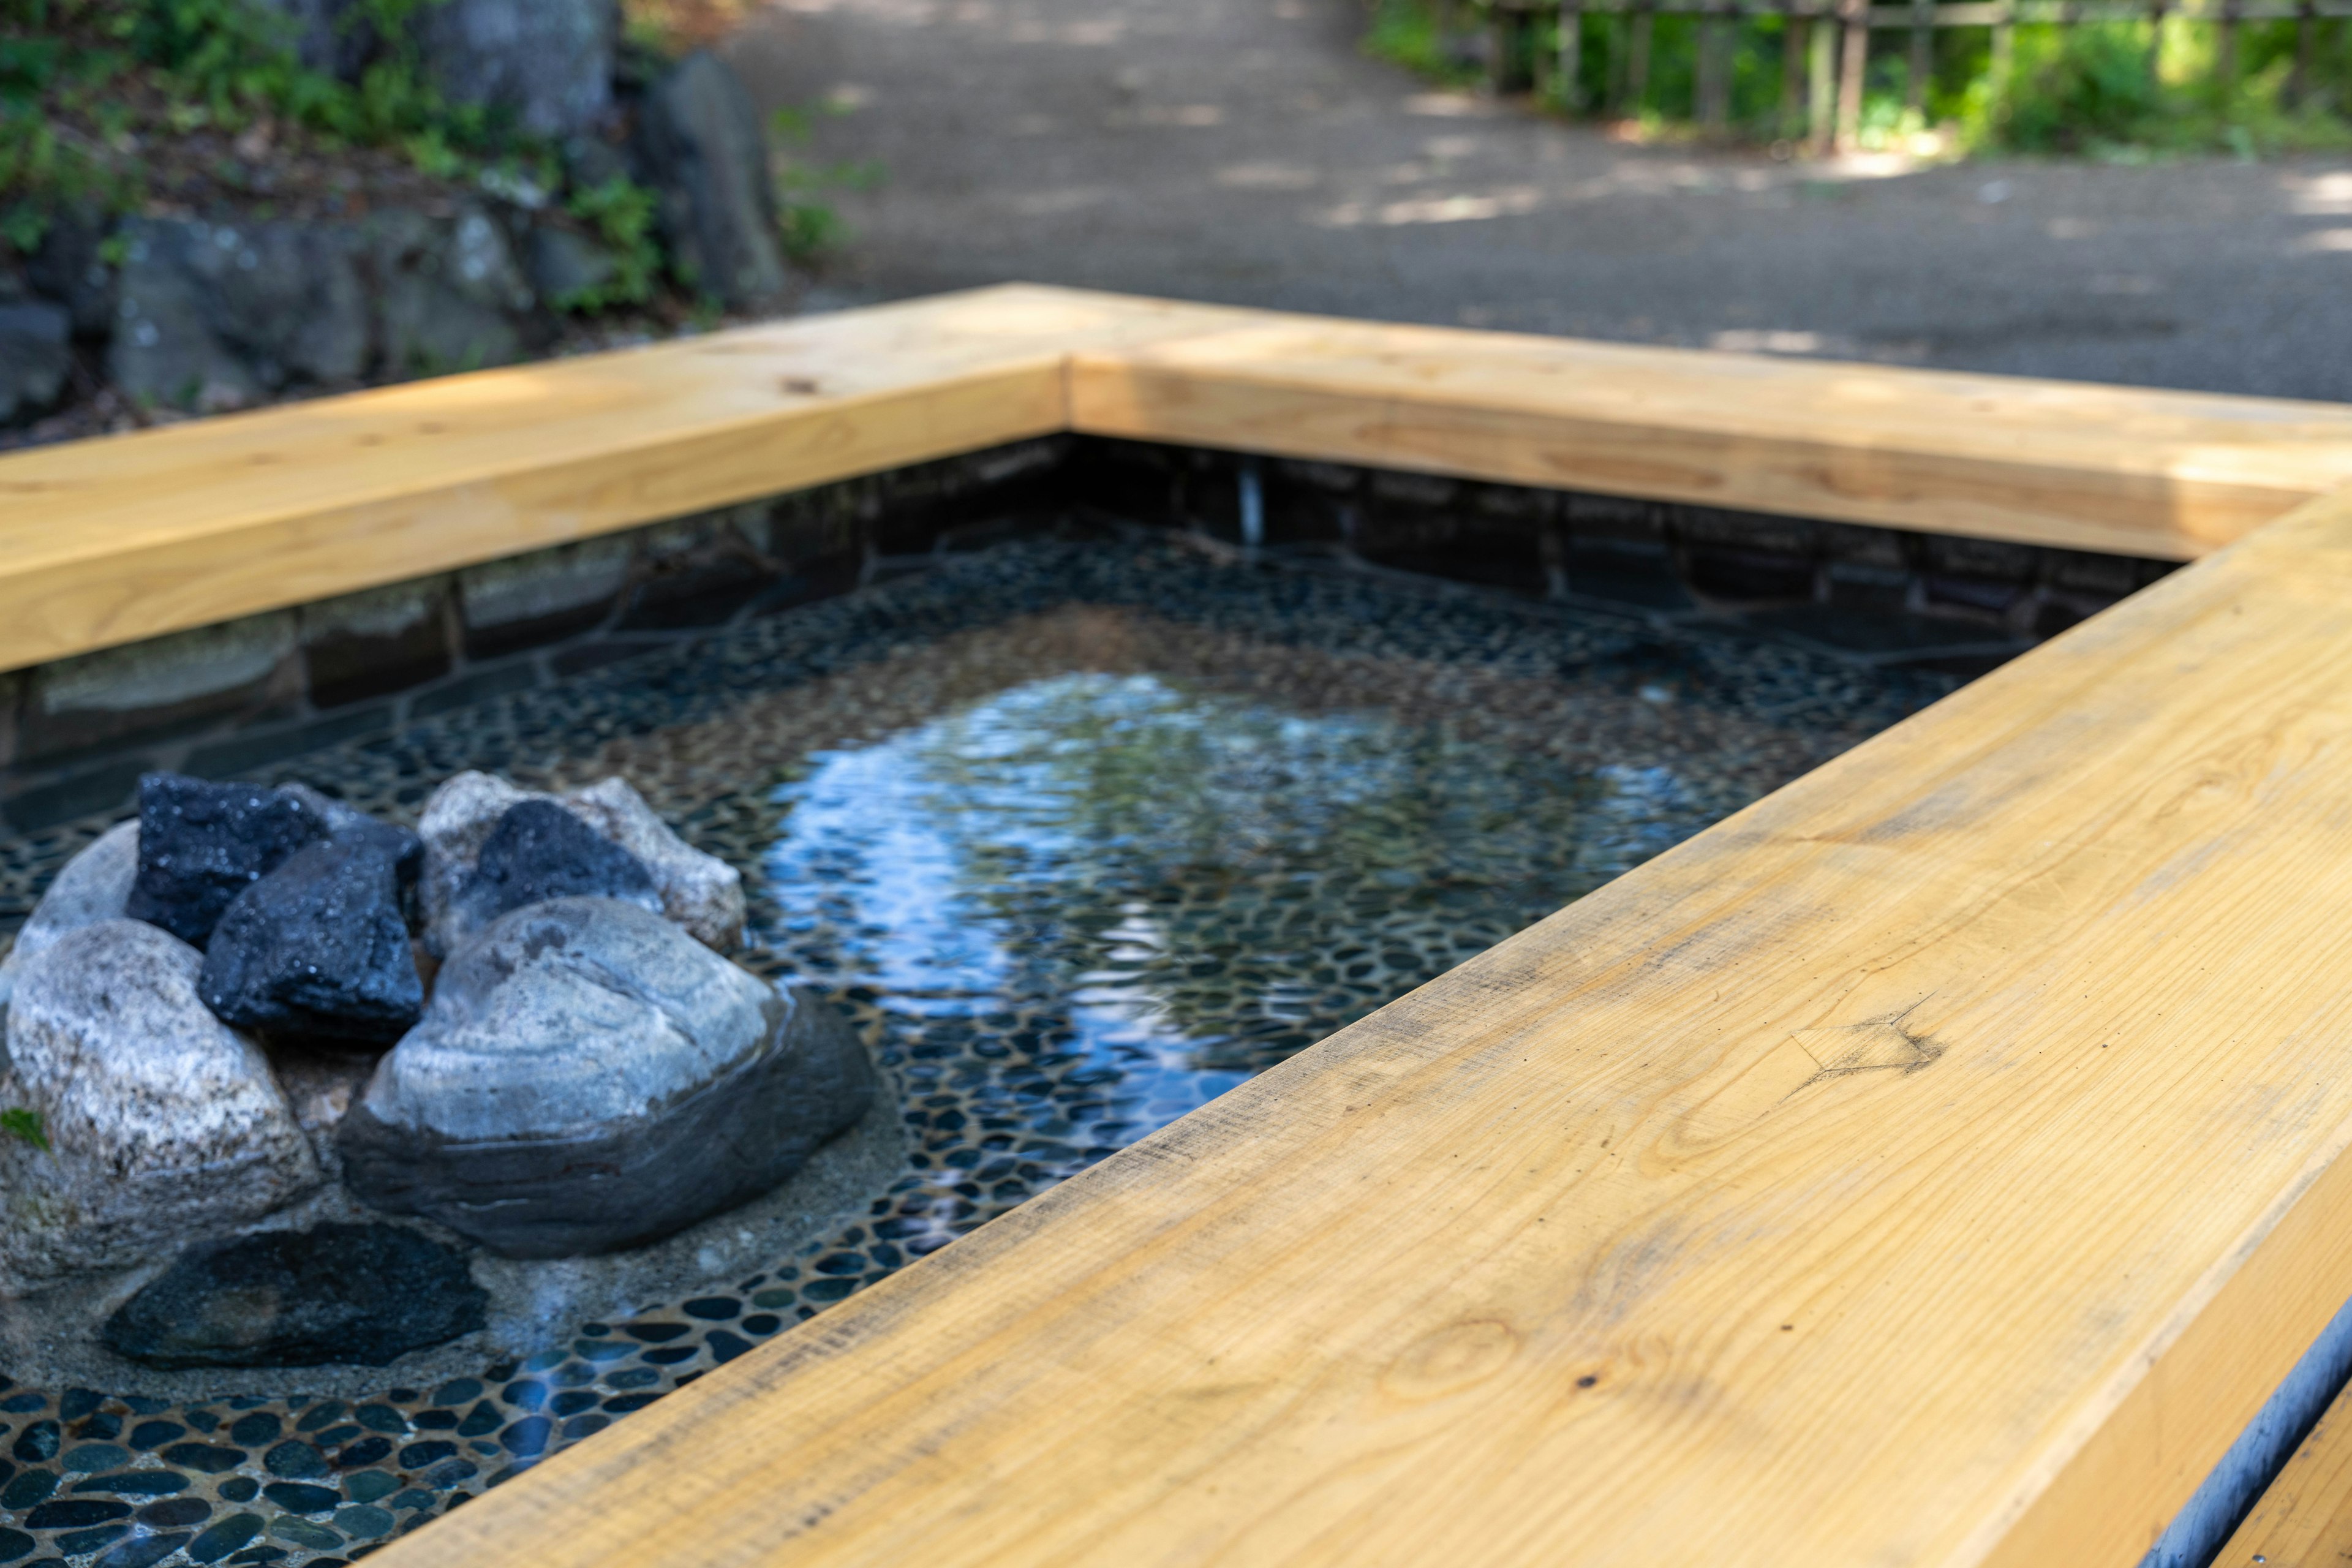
26	1126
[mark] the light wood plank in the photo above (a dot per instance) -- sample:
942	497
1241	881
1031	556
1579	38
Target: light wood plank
1937	1163
2304	1519
2139	472
110	540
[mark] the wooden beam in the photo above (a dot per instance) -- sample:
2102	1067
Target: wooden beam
2304	1519
1937	1162
112	541
108	541
2139	472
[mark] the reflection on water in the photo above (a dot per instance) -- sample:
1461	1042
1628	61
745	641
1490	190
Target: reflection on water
1159	892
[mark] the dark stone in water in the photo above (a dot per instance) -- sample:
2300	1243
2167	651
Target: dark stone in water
39	1442
539	851
223	1538
361	1294
144	1551
76	1513
318	947
253	1430
295	1460
175	1511
203	1457
14	1543
301	1497
201	845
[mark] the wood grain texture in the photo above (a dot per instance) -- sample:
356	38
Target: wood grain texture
1937	1162
2304	1519
110	540
2164	474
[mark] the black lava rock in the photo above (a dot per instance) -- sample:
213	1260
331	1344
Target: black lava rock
539	851
318	947
202	844
357	1294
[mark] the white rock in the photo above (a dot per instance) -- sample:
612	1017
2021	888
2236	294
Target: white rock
93	887
164	1125
700	892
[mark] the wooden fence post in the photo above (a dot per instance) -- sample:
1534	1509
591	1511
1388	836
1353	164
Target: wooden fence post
1712	88
1794	30
2004	53
1570	57
2298	81
1637	61
2225	60
1854	20
1820	84
1923	53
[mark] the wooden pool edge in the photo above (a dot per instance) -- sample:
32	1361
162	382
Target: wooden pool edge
117	540
823	1447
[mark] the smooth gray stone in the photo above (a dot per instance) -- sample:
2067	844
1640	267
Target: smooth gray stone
163	1124
220	315
700	892
453	296
318	949
567	268
93	886
34	357
700	143
589	1077
354	1295
549	63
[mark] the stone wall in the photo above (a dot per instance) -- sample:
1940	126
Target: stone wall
221	699
1876	594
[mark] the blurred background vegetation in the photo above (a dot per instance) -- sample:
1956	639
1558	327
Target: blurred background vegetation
2083	90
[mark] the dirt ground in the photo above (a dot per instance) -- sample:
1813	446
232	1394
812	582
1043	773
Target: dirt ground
1243	151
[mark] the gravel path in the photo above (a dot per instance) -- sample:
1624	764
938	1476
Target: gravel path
1243	152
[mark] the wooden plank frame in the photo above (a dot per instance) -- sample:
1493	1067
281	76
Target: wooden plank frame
1940	1162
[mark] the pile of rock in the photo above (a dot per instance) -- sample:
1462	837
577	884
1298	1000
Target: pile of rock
540	1043
223	308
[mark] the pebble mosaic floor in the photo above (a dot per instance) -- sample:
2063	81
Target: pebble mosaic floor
1081	835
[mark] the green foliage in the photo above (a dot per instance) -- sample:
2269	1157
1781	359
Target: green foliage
24	1126
806	223
2085	90
621	212
81	80
1413	35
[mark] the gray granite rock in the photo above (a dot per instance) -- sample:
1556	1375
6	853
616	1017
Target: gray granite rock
700	892
568	268
547	63
202	844
317	949
93	886
355	1295
588	1078
700	143
452	295
71	266
35	357
331	36
164	1124
219	315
